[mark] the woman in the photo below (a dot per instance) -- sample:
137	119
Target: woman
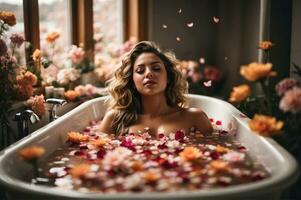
147	94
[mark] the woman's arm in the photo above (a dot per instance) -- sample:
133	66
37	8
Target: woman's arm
106	123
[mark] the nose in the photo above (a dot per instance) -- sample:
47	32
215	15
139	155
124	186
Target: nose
148	73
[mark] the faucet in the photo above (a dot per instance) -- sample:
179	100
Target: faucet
53	106
23	118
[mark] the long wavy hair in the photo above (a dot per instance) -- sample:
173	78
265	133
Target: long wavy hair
126	100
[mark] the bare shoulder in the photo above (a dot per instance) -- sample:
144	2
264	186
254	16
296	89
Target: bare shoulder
106	123
110	114
195	111
199	119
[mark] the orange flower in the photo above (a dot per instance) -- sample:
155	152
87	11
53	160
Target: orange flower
79	171
31	153
190	154
37	54
239	93
255	71
265	45
137	165
71	95
27	78
100	142
37	104
8	17
219	165
24	87
221	149
150	176
265	125
77	137
51	37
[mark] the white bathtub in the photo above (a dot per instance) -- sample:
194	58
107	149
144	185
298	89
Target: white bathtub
282	166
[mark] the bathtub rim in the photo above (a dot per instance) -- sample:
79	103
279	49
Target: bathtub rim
280	181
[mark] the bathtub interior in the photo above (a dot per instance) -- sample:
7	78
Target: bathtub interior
259	148
53	136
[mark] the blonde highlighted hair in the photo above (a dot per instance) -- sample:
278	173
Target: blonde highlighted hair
126	100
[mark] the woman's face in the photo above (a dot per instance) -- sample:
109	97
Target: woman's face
149	74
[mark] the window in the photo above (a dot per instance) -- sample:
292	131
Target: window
107	16
54	18
15	6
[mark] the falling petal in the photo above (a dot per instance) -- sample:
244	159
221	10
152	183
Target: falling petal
164	25
190	24
178	39
208	83
180	11
202	60
215	19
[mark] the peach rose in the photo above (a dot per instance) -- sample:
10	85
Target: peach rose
77	137
8	18
31	153
255	71
190	154
37	54
239	93
265	125
71	95
79	171
265	45
51	37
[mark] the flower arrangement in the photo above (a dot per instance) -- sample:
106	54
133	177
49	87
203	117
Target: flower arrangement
82	92
16	81
276	112
80	59
108	55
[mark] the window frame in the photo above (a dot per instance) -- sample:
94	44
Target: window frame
81	11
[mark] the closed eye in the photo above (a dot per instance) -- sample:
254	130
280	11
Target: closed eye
156	68
140	70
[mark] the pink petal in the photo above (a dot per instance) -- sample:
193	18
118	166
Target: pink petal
215	19
208	83
202	60
190	24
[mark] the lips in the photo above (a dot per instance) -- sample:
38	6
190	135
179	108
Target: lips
149	82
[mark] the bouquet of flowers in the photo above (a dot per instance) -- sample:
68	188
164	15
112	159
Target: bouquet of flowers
276	112
16	81
108	55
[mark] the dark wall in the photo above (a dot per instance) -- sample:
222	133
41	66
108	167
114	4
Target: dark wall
197	41
237	39
227	44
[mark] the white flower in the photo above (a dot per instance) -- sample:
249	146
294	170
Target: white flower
173	144
116	157
65	183
67	75
133	181
234	156
81	90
